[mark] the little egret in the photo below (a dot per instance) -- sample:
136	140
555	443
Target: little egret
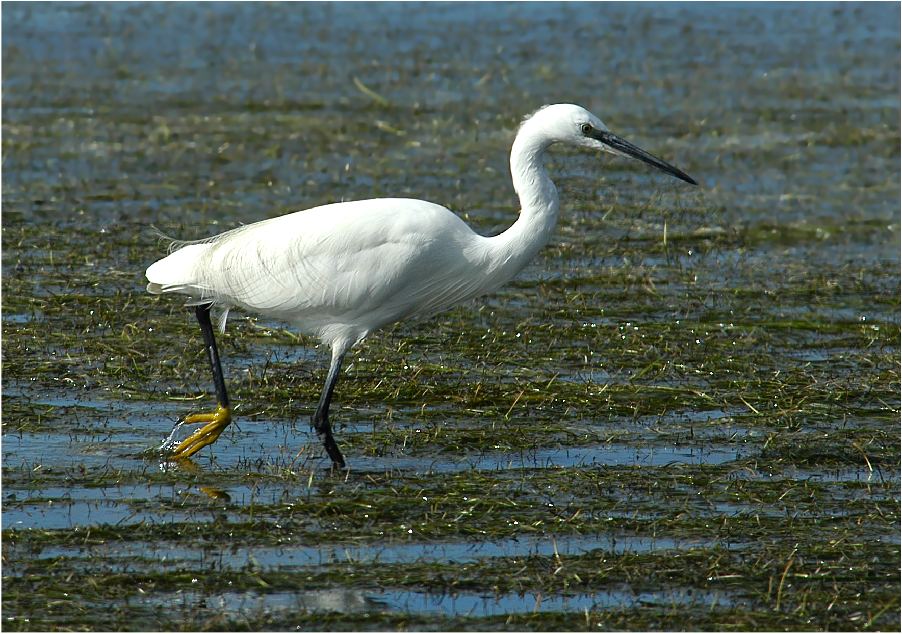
341	271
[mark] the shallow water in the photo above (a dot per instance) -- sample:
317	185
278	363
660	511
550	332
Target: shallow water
683	414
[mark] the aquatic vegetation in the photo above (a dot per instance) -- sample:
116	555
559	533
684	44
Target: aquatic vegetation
684	414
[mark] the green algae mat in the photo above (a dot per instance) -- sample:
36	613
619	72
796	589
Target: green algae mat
683	415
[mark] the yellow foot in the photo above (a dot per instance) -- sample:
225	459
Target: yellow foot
216	422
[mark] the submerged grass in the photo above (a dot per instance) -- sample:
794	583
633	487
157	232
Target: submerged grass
683	415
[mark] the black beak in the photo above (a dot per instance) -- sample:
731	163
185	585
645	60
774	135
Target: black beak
628	149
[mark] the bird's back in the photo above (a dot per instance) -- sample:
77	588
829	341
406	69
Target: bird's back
337	270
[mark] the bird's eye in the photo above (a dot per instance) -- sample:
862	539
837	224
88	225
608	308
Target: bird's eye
585	128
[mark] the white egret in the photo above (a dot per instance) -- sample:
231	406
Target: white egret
341	271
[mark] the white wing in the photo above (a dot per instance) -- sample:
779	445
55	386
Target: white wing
358	264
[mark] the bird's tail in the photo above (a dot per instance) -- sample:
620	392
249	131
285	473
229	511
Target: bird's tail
177	272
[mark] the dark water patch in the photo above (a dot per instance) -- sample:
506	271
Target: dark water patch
135	557
860	474
465	604
21	318
458	604
63	514
487	459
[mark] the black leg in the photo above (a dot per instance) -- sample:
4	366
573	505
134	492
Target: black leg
321	417
213	422
206	326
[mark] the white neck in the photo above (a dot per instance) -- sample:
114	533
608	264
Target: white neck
512	250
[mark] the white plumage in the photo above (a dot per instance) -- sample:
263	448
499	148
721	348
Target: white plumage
338	271
341	271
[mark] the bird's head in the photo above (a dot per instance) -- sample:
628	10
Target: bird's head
574	125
